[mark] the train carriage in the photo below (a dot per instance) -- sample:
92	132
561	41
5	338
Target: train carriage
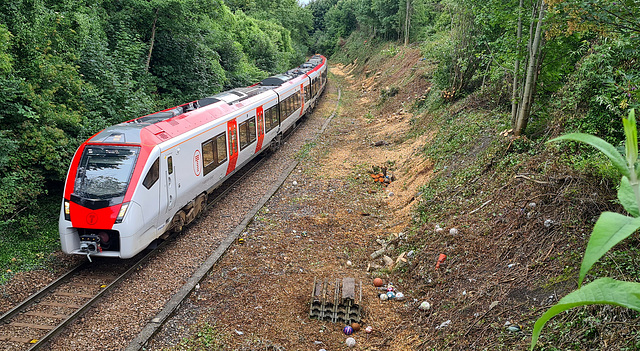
133	182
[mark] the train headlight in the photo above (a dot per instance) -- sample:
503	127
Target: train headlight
67	210
123	211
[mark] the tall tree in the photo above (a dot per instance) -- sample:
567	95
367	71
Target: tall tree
535	48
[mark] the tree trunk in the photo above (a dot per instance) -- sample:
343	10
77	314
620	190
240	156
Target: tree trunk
153	38
532	74
407	23
516	70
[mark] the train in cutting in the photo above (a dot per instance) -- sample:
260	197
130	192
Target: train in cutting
136	181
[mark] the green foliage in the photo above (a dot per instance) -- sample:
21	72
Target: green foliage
605	85
600	291
68	69
27	239
205	337
610	229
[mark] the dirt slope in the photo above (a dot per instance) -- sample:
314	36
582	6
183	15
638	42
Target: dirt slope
510	239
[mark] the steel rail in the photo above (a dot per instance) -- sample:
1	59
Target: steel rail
44	291
60	327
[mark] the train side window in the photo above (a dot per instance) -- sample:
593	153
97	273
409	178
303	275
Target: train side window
214	152
152	175
207	156
170	164
271	117
221	154
267	119
247	132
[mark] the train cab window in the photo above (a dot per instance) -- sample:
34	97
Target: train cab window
247	132
152	175
214	152
104	172
170	164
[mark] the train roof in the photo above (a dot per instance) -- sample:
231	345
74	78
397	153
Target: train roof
174	121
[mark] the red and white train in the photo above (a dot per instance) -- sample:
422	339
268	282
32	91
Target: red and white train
134	181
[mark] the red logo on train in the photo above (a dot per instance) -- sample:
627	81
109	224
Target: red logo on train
196	163
92	218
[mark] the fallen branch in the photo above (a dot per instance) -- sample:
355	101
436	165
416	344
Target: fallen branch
531	179
481	206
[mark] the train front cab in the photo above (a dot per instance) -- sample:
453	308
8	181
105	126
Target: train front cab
102	214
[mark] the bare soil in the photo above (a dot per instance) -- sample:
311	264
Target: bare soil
505	265
508	258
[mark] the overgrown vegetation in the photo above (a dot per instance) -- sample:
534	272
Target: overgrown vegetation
71	68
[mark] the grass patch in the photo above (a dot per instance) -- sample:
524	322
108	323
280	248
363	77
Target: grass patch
205	337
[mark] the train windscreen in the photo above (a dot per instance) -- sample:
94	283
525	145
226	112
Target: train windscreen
104	172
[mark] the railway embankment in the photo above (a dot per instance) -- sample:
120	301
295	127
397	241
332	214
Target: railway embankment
480	231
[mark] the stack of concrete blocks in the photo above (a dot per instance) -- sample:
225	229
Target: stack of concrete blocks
336	301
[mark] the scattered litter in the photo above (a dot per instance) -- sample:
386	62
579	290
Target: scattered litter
351	342
349	263
368	329
425	306
548	223
507	323
441	259
444	324
355	326
238	332
514	328
295	183
377	282
378	253
347	330
532	204
493	304
391	295
383	297
438	229
510	265
453	231
399	296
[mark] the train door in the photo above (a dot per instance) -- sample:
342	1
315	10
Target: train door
260	122
232	131
172	191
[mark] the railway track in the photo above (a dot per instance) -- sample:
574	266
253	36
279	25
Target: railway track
40	317
44	314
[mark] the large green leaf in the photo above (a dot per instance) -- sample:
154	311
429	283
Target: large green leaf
616	158
628	198
601	291
610	229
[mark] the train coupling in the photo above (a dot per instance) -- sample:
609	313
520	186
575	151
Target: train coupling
90	244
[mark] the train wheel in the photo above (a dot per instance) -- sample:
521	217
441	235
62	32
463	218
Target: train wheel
201	204
178	221
276	142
